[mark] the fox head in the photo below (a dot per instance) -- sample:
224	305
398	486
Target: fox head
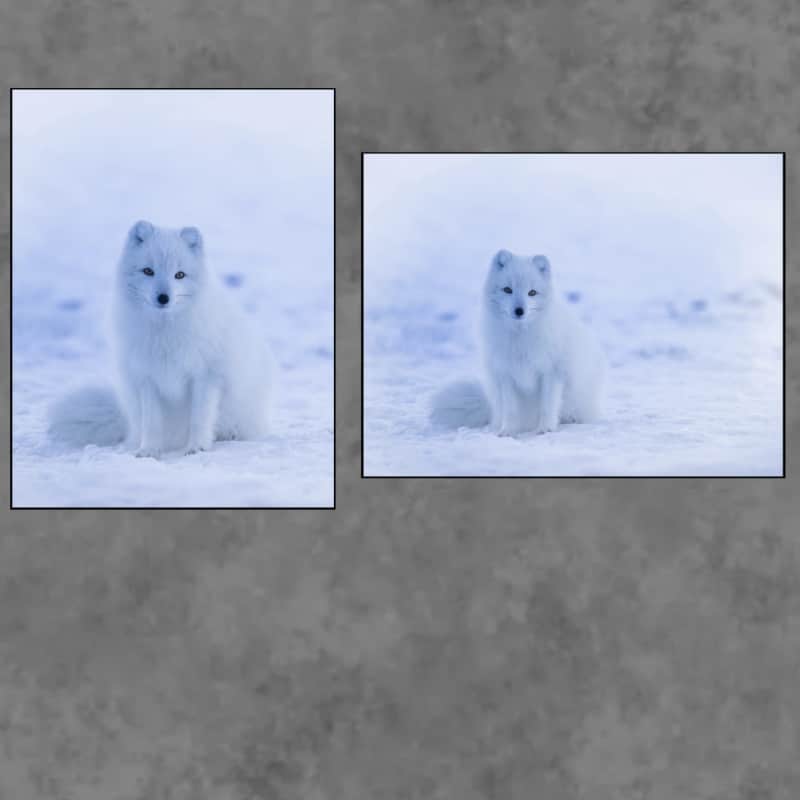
162	269
518	287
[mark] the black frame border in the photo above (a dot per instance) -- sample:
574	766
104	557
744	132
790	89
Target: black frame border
11	91
782	153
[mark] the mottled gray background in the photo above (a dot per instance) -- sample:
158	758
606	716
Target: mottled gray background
597	639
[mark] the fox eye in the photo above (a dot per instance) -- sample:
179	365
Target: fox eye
148	271
532	293
507	289
180	275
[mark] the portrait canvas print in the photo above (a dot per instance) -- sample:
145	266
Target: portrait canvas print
172	298
573	315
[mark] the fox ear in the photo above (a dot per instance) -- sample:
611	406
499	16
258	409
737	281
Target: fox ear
192	238
141	231
542	264
502	258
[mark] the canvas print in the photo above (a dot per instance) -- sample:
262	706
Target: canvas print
573	314
172	309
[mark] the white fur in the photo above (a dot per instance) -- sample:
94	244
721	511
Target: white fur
190	371
461	405
89	416
542	367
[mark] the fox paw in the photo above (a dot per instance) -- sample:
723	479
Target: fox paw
196	448
507	432
147	452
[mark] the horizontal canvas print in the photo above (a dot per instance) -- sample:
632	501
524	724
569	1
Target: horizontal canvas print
172	309
573	315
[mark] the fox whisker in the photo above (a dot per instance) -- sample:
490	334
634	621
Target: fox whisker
134	292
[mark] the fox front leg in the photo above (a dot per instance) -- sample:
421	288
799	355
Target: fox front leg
508	412
151	421
205	394
551	392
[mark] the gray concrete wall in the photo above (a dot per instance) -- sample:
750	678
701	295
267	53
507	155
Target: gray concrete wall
597	639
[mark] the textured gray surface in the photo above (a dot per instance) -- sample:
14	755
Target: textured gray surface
446	640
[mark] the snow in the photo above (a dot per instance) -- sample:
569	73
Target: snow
254	171
675	261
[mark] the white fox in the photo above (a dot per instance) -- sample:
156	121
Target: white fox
542	365
191	368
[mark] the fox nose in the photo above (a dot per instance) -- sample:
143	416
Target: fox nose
519	311
163	299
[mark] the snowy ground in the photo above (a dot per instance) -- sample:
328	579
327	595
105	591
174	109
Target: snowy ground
675	264
254	173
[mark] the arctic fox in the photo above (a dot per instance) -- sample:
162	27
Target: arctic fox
190	368
542	366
